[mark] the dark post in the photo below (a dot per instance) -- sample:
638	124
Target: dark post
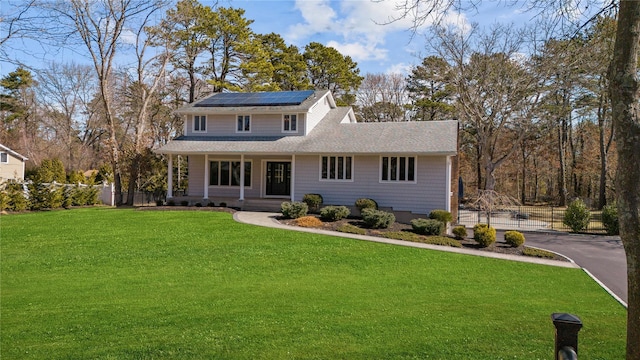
567	328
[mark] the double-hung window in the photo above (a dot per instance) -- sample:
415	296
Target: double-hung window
398	168
227	173
290	123
336	168
4	158
200	123
243	123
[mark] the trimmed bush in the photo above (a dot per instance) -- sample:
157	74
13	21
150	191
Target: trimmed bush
159	203
198	204
223	204
538	253
351	229
313	201
378	219
308	221
171	202
460	232
364	203
576	216
484	235
211	204
184	203
514	238
441	215
294	210
334	213
428	226
610	219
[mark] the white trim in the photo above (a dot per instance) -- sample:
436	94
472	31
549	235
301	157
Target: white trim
193	124
283	130
242	166
415	170
243	118
336	180
170	177
206	176
447	205
292	178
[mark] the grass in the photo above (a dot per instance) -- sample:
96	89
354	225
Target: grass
126	284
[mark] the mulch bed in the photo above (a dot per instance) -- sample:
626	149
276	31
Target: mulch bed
498	247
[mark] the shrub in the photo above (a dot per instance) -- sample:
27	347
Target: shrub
378	219
17	200
198	204
171	202
484	235
364	203
443	240
68	198
403	235
441	215
514	238
460	232
610	219
211	204
428	226
159	202
334	213
313	201
293	210
351	229
576	216
184	203
308	221
223	204
4	200
538	253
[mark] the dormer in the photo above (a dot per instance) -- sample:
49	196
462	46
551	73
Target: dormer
283	113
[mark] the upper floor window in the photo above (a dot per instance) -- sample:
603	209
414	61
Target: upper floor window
398	168
243	123
4	157
336	168
290	123
199	123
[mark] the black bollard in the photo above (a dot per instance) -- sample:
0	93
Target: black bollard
567	328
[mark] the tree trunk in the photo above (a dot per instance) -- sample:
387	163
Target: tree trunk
523	191
562	185
602	194
625	104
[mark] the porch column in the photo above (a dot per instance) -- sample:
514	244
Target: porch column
206	176
241	177
447	205
170	178
293	176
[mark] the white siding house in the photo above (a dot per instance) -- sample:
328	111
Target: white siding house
299	142
11	164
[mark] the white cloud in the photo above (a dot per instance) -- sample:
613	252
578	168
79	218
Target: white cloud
400	68
360	51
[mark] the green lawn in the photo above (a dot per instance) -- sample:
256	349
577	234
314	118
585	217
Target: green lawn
125	284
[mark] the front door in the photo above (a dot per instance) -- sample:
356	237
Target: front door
278	178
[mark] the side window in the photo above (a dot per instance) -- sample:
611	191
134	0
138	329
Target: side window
290	123
4	158
243	123
398	168
200	123
336	168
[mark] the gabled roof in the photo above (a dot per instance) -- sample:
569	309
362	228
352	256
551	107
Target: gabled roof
331	135
15	154
263	102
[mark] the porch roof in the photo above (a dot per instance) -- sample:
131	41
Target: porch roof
333	136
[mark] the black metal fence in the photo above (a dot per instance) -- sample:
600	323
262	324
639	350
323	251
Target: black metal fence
528	218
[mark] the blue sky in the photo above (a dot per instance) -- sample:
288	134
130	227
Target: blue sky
353	27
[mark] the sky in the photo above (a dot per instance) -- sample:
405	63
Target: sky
361	29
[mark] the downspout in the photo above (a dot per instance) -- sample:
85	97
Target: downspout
447	205
293	176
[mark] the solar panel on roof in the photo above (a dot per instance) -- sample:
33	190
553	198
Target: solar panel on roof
282	98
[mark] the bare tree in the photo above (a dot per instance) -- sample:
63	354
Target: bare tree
100	26
382	97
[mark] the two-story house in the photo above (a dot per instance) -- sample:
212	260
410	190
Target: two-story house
283	145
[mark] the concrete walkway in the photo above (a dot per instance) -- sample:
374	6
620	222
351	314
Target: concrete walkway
589	259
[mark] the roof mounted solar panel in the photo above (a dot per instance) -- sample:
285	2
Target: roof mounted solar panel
280	98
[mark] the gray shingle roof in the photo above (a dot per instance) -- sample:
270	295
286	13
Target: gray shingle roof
331	136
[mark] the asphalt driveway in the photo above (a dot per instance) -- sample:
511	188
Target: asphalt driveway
602	256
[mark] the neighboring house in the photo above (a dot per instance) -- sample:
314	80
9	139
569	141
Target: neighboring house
11	164
297	142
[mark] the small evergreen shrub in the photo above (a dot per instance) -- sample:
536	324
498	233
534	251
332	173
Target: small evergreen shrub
484	235
538	253
460	232
441	215
428	226
364	203
294	210
610	219
443	240
351	229
308	221
211	204
223	204
313	201
334	213
514	238
198	204
68	198
576	216
17	199
159	202
184	203
4	200
404	236
378	219
171	202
